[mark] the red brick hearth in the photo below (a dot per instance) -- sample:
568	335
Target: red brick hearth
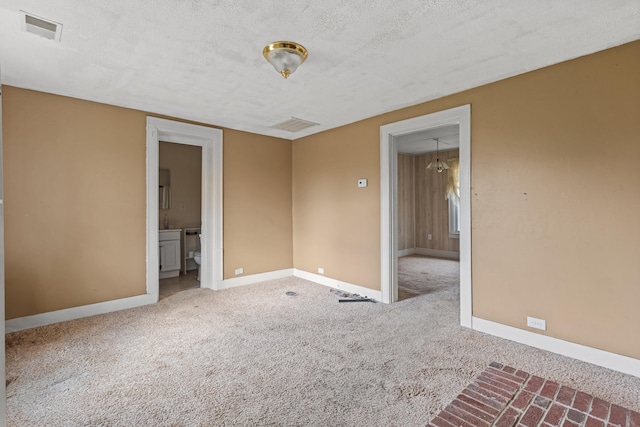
502	396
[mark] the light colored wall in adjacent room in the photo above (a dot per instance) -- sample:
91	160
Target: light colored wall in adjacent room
406	202
422	207
184	163
75	202
432	209
554	208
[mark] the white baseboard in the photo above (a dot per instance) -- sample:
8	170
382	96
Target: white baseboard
42	319
592	355
437	253
27	322
337	284
406	252
255	278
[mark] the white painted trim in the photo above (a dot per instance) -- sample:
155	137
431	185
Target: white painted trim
413	185
338	284
210	139
438	253
464	155
3	389
27	322
153	149
388	215
388	200
255	278
592	355
73	313
406	252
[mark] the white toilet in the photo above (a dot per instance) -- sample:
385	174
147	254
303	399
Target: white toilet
197	257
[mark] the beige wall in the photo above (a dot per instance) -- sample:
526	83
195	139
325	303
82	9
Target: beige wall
257	203
75	202
554	200
432	209
336	225
555	235
184	163
406	201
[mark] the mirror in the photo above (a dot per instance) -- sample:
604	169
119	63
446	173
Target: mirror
164	196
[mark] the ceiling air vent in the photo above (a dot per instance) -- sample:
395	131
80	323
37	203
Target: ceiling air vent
42	27
294	125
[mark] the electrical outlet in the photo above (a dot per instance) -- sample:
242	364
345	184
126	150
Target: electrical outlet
429	237
239	271
532	322
362	183
320	270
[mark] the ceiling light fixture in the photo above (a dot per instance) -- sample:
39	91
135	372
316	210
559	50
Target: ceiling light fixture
285	57
437	165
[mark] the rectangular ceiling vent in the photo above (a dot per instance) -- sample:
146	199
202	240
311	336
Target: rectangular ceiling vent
39	26
294	125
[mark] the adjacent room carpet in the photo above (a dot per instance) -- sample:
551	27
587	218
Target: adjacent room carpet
420	275
255	356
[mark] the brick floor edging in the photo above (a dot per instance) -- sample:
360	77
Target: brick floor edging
503	396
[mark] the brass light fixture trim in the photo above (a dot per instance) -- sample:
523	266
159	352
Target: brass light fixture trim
285	56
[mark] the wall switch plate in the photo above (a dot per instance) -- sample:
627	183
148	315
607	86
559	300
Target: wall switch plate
320	270
429	237
362	183
239	271
532	322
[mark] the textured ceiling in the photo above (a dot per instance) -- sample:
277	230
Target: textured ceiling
425	141
202	59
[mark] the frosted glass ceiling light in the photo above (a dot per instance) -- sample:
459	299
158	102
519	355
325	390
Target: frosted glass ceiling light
437	165
285	57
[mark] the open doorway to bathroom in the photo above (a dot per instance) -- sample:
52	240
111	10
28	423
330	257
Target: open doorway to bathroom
179	217
211	243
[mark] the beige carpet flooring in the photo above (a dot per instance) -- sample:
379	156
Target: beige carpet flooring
254	356
420	275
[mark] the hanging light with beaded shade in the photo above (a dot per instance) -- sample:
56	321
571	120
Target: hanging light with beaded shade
438	165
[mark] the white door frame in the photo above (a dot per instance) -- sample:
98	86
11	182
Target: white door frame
389	200
3	389
210	140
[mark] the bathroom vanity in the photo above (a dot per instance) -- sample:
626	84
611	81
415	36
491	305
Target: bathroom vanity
169	252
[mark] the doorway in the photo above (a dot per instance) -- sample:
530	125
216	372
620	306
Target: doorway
389	141
210	140
180	205
428	212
